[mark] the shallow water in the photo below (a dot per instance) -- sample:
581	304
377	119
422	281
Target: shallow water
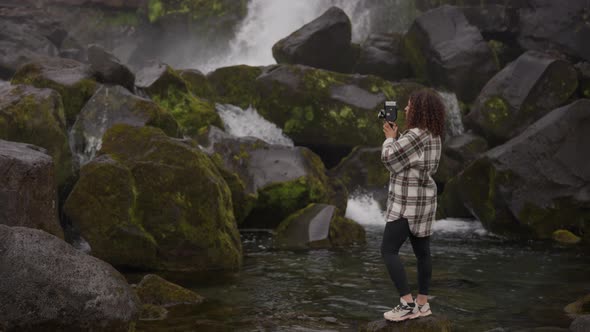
479	281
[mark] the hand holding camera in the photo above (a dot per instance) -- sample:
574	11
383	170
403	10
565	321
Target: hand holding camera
389	116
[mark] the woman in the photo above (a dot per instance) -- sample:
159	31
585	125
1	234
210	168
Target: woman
412	160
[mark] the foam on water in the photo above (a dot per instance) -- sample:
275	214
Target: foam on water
241	123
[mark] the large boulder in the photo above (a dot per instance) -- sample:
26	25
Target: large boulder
234	85
458	152
28	195
445	50
111	105
425	324
49	286
550	25
322	43
36	116
283	179
74	81
520	94
381	55
109	69
165	86
167	206
536	183
319	108
318	226
362	168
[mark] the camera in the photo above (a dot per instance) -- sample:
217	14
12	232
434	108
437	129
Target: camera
389	111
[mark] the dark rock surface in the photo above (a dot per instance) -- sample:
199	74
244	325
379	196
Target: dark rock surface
381	55
109	69
424	324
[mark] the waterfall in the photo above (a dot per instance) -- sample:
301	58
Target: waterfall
240	123
453	123
268	21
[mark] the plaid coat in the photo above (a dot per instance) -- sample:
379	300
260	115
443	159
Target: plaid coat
412	160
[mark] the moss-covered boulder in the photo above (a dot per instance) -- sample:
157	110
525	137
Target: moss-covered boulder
281	179
579	307
152	312
197	83
520	94
445	50
155	290
195	10
450	204
564	236
28	190
362	168
74	81
235	85
534	184
318	226
458	152
36	116
153	202
111	105
167	88
321	108
321	43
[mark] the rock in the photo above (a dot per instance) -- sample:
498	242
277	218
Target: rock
458	152
520	94
28	195
445	50
73	80
318	226
425	324
236	85
155	290
381	55
450	203
580	324
197	83
165	86
152	312
495	20
362	168
111	105
547	25
584	77
115	4
109	69
565	237
36	116
322	43
323	109
285	179
579	307
537	182
48	285
22	40
168	206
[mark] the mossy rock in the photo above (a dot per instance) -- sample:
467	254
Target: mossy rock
450	203
171	199
167	88
236	85
74	81
36	116
318	226
564	236
197	83
195	10
319	107
152	312
579	307
362	168
157	291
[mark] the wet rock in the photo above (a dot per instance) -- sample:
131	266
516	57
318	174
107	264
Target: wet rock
565	237
112	105
36	116
236	85
579	307
548	25
159	192
580	324
362	168
48	285
425	324
536	183
458	152
74	81
584	77
165	86
318	226
520	94
445	50
156	291
152	312
28	195
381	55
109	69
322	43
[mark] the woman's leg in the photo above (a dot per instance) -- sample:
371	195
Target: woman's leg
421	246
395	234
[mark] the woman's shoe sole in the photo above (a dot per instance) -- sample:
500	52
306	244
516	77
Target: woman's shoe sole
403	319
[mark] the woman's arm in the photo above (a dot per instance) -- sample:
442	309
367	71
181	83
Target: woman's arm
398	155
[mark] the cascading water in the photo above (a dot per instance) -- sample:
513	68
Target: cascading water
454	123
240	123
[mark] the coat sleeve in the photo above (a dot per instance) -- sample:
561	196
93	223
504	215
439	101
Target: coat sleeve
403	153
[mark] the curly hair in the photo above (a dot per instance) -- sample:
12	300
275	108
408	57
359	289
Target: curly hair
427	112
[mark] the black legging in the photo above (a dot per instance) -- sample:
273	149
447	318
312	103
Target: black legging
395	234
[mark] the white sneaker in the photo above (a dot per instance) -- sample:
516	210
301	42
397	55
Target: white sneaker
424	310
402	312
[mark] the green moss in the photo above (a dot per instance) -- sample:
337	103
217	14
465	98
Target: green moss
152	312
414	54
236	85
345	232
565	237
120	19
562	214
155	290
196	10
497	114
